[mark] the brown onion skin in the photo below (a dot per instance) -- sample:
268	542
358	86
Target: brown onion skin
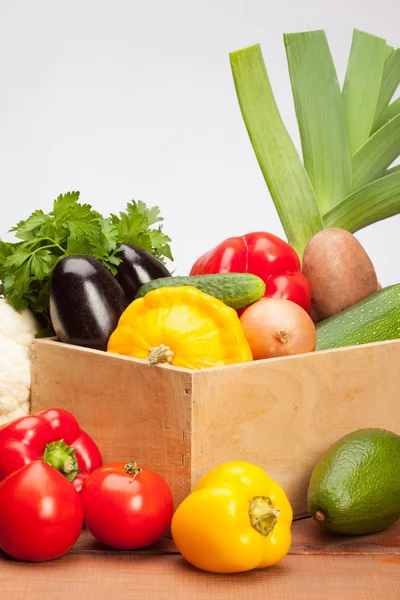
275	327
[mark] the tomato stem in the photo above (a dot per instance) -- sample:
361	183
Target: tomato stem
263	514
133	469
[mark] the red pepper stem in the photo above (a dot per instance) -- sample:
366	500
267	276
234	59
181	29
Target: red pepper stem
62	457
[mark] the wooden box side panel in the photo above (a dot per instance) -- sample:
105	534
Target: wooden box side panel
283	414
131	410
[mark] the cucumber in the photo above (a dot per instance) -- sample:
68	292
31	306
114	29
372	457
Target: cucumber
375	319
236	290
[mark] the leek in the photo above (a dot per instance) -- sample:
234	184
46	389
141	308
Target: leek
320	115
389	113
389	52
350	139
377	154
376	201
393	170
286	178
362	85
390	82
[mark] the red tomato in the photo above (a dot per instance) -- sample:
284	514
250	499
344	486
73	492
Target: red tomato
41	513
126	506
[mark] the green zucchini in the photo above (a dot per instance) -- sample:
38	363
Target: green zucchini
237	290
375	319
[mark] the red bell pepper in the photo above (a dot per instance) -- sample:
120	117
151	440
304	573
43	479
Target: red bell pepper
54	437
262	254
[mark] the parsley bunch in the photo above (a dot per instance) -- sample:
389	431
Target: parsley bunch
71	228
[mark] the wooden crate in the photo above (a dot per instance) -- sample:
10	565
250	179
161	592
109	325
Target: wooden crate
281	414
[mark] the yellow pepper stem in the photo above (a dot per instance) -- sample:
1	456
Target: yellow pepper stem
263	514
160	354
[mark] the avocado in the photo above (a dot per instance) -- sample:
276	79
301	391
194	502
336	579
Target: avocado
355	487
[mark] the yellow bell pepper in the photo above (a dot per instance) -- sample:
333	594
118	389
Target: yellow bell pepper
237	519
183	326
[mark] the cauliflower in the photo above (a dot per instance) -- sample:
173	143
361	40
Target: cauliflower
17	331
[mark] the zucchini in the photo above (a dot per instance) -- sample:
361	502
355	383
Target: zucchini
237	290
374	319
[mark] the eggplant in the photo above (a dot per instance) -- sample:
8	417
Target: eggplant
86	302
137	267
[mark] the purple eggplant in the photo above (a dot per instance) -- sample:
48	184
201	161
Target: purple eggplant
86	302
137	267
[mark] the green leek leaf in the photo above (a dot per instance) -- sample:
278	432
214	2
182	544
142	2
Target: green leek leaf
287	180
374	202
395	169
362	85
389	52
390	82
320	115
389	113
377	154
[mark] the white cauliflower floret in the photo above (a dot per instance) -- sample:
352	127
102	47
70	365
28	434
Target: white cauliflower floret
15	380
17	331
19	327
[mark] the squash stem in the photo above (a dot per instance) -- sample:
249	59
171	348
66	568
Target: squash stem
160	354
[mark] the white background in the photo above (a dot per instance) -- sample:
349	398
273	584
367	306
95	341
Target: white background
135	100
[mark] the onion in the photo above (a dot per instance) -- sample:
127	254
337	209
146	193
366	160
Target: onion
277	327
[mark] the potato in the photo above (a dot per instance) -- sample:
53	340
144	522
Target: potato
339	270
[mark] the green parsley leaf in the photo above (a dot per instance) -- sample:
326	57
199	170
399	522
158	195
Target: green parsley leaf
6	249
25	229
16	259
41	263
75	246
16	286
134	226
152	214
109	234
64	205
71	228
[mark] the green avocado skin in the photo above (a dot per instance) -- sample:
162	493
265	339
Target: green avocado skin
356	484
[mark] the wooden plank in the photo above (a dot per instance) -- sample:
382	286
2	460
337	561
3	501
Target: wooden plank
88	545
308	537
282	414
318	566
169	577
132	411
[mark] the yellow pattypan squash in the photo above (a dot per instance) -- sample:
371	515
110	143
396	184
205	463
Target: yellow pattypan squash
182	326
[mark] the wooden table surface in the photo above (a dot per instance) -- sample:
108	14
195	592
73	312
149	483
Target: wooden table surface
319	566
